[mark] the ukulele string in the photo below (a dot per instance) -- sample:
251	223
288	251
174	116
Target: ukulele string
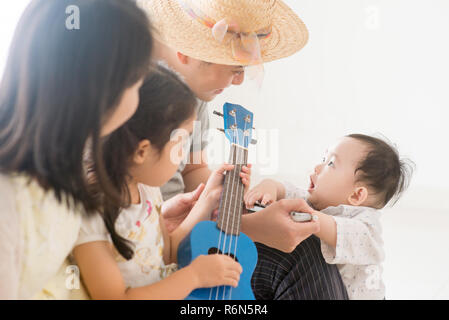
231	236
234	160
238	202
221	230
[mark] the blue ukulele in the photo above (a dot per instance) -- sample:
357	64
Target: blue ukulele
224	236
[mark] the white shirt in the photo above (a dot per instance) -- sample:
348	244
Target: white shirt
140	225
359	250
37	233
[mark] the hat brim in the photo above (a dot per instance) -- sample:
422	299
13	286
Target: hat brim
180	32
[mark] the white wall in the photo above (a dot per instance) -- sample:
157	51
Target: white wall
369	67
10	12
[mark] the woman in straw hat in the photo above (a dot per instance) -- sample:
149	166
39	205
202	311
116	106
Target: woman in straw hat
210	42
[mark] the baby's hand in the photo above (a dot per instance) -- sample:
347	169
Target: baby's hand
216	270
265	192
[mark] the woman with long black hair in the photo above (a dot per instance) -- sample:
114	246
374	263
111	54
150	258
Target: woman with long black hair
62	90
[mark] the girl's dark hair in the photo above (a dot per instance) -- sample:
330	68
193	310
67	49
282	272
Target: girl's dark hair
60	85
165	103
382	169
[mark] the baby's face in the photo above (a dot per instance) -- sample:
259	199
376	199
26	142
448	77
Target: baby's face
333	180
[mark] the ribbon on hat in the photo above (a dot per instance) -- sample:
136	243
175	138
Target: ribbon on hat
245	46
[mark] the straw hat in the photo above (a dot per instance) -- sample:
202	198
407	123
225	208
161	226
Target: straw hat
190	27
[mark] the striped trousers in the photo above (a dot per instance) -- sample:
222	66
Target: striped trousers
300	275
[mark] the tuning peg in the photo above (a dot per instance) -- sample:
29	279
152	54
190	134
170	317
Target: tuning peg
218	113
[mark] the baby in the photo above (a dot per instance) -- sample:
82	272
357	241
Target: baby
358	176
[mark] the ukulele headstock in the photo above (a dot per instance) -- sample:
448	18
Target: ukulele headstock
238	124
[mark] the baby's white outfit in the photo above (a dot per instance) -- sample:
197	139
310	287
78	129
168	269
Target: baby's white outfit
359	250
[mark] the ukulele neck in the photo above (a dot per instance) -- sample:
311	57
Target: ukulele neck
231	204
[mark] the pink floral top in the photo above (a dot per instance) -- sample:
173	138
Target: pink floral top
140	224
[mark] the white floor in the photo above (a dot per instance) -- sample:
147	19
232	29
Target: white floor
417	254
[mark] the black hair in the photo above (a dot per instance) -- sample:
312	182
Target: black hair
387	175
165	103
60	85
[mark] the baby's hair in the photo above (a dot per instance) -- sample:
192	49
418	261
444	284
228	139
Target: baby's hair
386	174
165	102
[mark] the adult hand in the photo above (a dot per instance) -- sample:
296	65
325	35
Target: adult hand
175	210
275	228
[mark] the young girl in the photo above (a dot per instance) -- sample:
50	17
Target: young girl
136	265
60	89
358	176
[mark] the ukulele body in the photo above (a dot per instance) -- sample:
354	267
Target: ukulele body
205	238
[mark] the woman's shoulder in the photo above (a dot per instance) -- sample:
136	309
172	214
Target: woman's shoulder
6	193
37	210
18	191
43	227
26	192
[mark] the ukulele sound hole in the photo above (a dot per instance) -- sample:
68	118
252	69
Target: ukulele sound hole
216	250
